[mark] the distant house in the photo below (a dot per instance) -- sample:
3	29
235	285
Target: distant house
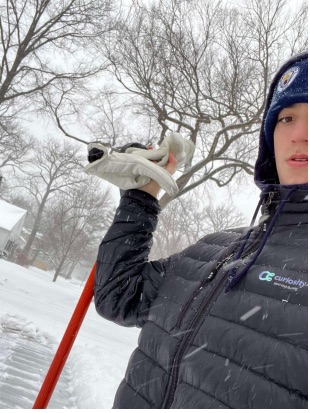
12	220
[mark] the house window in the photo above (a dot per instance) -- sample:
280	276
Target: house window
9	246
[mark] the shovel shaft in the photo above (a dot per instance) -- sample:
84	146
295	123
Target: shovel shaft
66	344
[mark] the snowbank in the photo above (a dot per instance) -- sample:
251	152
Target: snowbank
41	310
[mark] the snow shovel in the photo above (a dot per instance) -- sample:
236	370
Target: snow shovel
72	330
66	344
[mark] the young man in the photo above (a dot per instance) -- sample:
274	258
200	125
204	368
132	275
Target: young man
224	323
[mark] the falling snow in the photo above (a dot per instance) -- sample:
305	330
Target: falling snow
196	351
228	376
249	314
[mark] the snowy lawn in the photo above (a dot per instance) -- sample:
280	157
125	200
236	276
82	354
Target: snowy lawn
42	309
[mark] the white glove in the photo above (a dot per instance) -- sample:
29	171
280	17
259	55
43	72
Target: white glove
182	149
134	168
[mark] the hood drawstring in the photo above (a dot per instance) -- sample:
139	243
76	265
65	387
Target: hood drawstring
234	279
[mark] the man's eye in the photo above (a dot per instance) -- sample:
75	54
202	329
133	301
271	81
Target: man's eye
285	119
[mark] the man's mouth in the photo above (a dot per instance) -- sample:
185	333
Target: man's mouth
298	160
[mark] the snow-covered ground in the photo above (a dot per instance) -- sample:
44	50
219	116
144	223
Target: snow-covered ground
40	310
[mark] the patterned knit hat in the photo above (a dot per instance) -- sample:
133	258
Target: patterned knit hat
291	88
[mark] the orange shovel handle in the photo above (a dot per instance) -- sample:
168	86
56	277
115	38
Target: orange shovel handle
66	344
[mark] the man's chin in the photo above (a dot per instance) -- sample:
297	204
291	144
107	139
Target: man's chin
295	179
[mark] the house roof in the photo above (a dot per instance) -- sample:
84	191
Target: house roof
10	215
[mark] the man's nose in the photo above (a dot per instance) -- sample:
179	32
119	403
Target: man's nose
301	131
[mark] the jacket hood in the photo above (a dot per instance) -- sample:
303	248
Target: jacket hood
265	168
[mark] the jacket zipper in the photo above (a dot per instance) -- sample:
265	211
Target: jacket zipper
201	313
179	355
202	286
210	277
265	208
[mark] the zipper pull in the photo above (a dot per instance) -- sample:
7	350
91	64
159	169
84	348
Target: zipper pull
270	198
267	203
219	265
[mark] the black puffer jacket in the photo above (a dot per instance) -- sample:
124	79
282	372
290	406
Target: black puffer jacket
224	323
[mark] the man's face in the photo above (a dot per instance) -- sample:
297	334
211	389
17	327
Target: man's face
291	144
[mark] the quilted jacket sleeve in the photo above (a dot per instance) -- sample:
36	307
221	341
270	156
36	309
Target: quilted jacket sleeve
126	283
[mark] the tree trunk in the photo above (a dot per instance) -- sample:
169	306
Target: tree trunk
69	273
36	226
58	269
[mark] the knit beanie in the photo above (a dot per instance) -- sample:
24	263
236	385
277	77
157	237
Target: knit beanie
291	88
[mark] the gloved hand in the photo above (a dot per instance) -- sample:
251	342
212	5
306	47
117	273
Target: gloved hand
135	168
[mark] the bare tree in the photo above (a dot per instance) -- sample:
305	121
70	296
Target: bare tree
101	116
223	216
186	220
76	219
203	68
44	43
56	168
107	118
15	145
